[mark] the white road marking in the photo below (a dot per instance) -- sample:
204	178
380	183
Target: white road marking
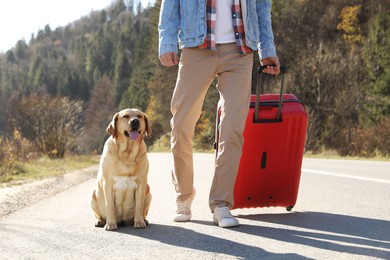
347	176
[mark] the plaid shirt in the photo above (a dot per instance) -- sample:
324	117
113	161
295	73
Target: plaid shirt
238	27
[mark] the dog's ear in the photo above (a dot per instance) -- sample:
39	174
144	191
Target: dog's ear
111	128
148	130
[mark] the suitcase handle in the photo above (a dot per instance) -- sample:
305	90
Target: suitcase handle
259	89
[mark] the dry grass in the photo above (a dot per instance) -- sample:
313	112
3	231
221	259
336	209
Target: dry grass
45	167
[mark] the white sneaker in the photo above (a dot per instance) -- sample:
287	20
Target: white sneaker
223	218
183	211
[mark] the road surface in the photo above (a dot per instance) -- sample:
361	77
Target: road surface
342	212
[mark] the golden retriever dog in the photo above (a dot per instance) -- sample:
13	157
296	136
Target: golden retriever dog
122	195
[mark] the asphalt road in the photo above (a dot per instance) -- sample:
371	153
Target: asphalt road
342	212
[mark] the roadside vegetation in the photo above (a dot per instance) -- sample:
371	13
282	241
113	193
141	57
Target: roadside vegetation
14	171
46	167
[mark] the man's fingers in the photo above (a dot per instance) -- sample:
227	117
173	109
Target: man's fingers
273	70
169	59
175	58
273	65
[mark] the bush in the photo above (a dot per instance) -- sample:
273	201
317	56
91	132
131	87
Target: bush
50	123
373	141
13	151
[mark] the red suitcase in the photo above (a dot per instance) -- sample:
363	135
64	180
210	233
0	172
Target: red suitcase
274	140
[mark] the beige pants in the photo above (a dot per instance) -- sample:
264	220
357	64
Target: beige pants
197	69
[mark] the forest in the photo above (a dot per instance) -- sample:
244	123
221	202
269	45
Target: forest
59	90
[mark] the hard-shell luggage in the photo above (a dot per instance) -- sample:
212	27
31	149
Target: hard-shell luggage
274	139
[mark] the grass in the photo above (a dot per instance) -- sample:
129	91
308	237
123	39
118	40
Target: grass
335	155
45	167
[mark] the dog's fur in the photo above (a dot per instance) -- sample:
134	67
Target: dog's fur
122	195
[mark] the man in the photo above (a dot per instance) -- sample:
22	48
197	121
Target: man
217	38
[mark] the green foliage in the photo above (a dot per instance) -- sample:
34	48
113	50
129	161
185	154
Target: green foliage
98	115
377	65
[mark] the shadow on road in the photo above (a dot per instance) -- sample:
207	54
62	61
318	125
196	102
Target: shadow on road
186	238
340	233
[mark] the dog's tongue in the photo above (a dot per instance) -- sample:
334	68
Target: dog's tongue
133	135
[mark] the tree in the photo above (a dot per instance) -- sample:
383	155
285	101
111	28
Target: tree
160	84
98	115
10	57
377	65
122	71
137	94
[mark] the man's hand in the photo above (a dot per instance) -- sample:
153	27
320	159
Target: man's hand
169	59
273	65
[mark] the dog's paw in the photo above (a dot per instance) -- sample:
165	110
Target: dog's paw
111	226
140	224
100	223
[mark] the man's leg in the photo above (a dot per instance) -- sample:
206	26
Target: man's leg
197	69
234	85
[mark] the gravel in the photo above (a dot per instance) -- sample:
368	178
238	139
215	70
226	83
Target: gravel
14	197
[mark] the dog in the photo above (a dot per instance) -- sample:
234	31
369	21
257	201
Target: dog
122	196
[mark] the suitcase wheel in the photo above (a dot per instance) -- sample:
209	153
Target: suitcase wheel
289	208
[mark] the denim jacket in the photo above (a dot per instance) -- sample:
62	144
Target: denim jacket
183	25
